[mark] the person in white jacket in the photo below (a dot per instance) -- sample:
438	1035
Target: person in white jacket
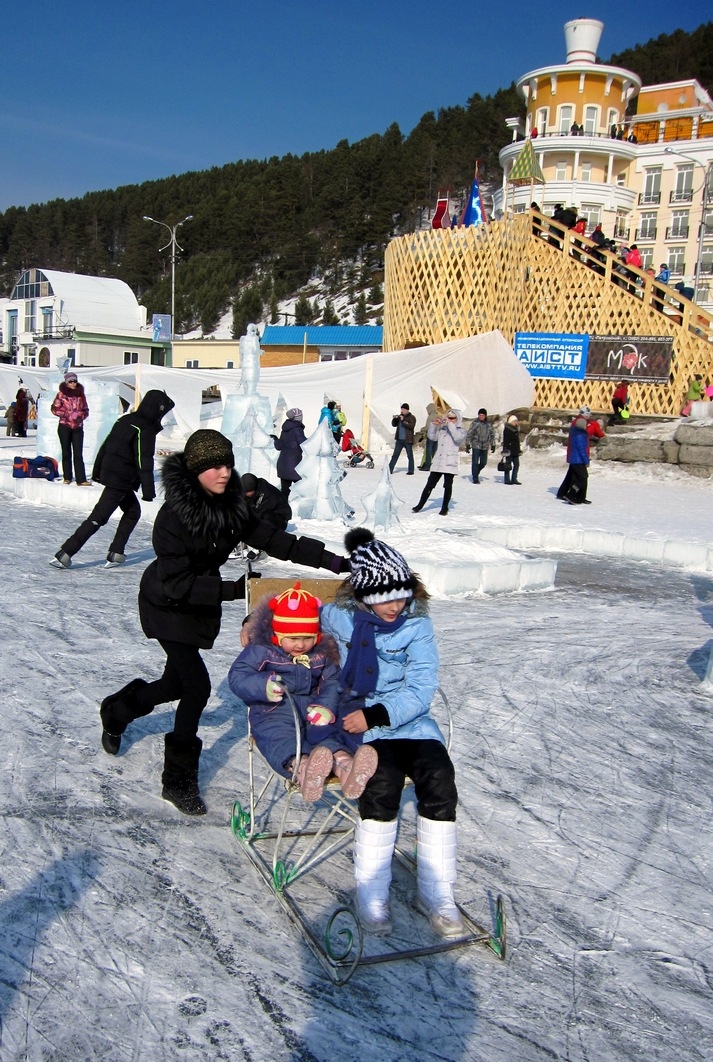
449	433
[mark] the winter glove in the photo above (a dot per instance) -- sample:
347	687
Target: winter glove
467	448
147	497
376	715
274	690
318	715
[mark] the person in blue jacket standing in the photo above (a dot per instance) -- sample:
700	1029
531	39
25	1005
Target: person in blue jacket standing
578	458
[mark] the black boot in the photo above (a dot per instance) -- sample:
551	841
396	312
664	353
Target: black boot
180	775
117	711
422	501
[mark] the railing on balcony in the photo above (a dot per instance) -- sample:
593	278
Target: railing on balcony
647	233
620	233
54	332
649	198
677	232
680	197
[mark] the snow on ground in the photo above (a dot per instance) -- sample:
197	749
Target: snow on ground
585	772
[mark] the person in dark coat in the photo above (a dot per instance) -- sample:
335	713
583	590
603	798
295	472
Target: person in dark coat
511	445
405	424
22	412
123	464
290	444
266	502
204	516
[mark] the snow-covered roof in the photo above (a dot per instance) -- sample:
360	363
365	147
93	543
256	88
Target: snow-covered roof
370	336
81	301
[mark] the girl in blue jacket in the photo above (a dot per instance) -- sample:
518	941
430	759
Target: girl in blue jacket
389	677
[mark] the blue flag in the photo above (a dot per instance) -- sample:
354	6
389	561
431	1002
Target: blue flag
473	213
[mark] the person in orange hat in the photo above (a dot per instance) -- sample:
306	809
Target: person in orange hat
287	652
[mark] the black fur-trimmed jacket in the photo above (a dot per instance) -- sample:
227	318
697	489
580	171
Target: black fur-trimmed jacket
181	591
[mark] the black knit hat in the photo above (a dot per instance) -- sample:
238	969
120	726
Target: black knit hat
249	482
378	572
208	449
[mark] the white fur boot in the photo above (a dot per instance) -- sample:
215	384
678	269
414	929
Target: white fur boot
373	850
436	875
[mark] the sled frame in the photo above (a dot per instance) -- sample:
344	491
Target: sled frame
282	854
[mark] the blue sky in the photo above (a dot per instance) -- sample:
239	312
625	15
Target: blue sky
101	95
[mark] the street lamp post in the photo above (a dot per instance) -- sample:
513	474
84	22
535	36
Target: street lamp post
704	201
175	246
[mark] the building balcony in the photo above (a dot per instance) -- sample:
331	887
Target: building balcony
677	233
680	197
55	332
649	198
645	234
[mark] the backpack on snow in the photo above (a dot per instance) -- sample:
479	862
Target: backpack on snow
39	467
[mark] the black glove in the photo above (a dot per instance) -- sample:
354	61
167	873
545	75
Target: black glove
344	566
147	497
376	715
467	448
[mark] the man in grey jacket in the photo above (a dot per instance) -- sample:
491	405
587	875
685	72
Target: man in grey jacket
405	424
480	439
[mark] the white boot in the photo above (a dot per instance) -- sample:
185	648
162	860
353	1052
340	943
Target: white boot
436	875
373	850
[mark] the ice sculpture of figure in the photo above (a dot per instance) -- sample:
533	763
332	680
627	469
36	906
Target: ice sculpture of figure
317	495
247	417
382	505
250	360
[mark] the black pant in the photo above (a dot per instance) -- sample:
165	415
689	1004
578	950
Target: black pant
286	487
577	492
401	445
511	476
112	498
185	679
433	478
72	442
427	763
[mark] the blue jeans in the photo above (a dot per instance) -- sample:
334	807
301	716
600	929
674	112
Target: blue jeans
478	461
401	445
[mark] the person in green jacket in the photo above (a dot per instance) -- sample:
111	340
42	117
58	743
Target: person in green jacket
696	393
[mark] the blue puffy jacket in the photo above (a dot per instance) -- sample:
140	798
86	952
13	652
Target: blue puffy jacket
578	443
408	671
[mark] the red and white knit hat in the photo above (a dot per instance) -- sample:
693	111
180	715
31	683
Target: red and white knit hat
295	615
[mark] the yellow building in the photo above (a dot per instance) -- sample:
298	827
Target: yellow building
638	161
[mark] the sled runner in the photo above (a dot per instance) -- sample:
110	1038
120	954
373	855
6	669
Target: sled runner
300	850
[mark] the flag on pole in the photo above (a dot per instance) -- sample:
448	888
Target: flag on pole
474	211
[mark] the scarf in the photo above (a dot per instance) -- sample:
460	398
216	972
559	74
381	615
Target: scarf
361	668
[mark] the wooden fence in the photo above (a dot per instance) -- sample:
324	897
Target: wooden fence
528	274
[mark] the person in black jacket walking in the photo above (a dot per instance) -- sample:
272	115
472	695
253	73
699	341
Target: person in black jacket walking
290	444
123	464
204	516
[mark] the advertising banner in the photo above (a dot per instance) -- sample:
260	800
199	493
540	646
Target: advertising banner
161	323
551	355
645	359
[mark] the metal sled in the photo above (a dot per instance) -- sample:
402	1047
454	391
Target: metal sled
289	842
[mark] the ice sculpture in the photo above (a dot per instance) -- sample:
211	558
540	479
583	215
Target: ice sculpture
382	505
247	417
317	495
250	360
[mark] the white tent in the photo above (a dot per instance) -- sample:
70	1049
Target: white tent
482	370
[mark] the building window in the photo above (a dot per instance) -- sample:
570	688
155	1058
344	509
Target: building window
683	190
676	261
592	213
193	364
566	119
647	227
590	120
707	261
30	315
230	364
679	225
542	119
647	257
652	187
561	171
46	320
586	172
131	357
72	356
612	119
621	180
621	232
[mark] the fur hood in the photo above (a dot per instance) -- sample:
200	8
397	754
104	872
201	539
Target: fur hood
203	515
69	392
259	632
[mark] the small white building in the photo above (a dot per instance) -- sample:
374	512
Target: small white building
52	318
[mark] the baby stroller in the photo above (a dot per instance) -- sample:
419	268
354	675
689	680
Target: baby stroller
357	454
